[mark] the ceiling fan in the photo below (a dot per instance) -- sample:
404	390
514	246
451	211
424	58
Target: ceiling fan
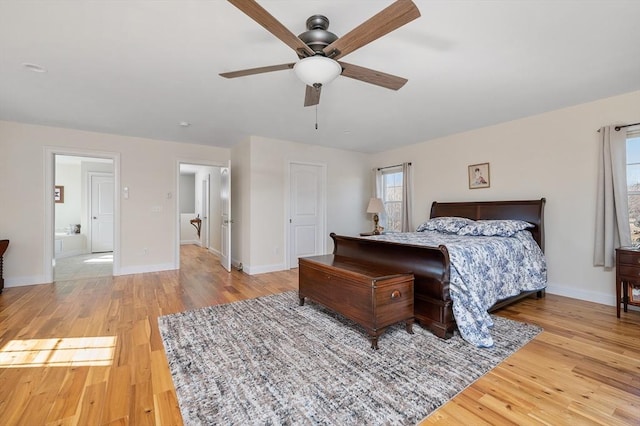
319	49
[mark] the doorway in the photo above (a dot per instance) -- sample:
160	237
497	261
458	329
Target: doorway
101	212
202	203
84	184
307	210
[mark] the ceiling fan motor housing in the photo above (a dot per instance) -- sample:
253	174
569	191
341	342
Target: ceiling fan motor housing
317	37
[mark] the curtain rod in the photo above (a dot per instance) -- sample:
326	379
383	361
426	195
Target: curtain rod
390	167
617	128
626	125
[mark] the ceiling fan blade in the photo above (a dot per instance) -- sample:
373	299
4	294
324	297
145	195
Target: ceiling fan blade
259	70
394	16
312	96
368	75
271	24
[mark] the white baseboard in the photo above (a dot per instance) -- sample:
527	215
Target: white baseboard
128	270
214	251
263	269
589	296
185	242
24	281
235	263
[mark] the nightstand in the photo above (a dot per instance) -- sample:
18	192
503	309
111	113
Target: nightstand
627	277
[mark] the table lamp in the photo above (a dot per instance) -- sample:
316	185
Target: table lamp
375	206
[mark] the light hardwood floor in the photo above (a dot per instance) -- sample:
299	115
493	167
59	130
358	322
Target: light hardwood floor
56	370
83	266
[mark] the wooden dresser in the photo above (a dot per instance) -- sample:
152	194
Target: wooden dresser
373	296
627	277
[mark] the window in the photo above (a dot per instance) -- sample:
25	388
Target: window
633	183
392	198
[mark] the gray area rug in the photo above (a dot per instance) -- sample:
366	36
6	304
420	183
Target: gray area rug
269	361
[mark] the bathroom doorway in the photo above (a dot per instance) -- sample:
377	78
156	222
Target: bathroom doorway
83	217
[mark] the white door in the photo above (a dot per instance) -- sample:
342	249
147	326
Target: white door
307	210
102	193
204	226
225	223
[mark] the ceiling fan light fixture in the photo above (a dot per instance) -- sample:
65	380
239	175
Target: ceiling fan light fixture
317	69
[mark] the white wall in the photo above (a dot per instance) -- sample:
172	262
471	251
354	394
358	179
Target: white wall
212	174
215	216
267	161
240	202
68	212
147	167
188	233
552	155
187	188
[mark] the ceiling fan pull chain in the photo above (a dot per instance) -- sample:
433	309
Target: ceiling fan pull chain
316	116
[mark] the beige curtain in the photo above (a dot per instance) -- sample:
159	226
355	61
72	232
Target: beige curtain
377	193
377	183
612	210
406	198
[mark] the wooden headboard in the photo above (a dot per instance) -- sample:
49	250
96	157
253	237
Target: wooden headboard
530	210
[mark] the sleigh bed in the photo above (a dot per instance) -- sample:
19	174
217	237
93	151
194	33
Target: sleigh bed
431	265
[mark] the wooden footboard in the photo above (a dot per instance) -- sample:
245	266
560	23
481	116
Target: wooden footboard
430	268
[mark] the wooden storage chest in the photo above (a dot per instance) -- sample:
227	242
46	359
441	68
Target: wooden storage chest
373	296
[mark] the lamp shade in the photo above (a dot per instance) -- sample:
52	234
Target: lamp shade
375	206
317	70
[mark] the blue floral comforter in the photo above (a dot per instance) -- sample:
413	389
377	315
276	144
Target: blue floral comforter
484	270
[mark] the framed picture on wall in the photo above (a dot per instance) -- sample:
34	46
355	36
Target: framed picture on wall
58	194
479	176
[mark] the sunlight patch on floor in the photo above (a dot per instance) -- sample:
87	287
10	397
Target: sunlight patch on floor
107	258
58	352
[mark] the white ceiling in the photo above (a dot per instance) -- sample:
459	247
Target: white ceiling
140	67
